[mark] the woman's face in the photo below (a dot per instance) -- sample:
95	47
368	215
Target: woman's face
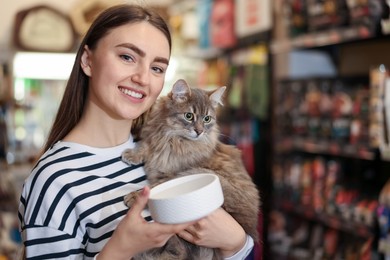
127	70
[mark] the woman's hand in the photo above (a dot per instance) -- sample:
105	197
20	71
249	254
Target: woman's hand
134	235
218	230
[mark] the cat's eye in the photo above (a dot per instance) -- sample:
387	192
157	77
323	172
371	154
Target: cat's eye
189	116
207	119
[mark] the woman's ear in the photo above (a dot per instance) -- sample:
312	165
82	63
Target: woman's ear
85	61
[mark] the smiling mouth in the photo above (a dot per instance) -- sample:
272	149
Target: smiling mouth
131	93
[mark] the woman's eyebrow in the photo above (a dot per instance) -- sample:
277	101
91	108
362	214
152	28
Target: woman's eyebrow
162	60
133	48
141	52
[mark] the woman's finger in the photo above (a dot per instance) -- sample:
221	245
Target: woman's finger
193	230
174	228
187	236
141	201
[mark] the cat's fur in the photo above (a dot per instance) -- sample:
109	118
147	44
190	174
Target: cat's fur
171	146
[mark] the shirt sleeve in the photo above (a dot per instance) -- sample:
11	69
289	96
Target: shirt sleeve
48	243
245	250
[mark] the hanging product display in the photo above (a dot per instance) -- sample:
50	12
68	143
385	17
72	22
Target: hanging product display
235	96
257	88
84	12
204	12
43	28
252	17
249	81
222	24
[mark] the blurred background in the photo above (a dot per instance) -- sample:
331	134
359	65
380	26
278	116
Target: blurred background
307	102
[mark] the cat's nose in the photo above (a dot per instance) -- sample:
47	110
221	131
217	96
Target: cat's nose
198	131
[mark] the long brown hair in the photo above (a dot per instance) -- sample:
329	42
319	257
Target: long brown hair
76	91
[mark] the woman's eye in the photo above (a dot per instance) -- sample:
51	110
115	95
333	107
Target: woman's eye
158	69
188	116
207	119
126	57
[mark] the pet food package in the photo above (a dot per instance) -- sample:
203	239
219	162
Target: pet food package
204	13
380	110
297	12
366	13
385	21
222	24
252	16
383	215
323	15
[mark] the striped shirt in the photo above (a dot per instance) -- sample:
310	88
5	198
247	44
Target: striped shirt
73	200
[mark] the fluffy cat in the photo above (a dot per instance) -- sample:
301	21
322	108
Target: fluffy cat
180	137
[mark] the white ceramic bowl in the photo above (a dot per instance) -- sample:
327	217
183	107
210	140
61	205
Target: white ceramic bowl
185	198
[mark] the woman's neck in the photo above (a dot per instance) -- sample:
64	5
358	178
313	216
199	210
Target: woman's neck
100	132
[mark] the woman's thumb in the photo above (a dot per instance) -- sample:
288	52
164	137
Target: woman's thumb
141	200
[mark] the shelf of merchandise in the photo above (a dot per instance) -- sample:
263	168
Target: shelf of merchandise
335	221
333	148
288	144
323	38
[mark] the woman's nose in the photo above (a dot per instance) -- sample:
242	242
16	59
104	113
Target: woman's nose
141	76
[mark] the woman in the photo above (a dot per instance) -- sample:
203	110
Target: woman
72	204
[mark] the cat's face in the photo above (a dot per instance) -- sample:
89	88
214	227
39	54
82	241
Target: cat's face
193	119
192	112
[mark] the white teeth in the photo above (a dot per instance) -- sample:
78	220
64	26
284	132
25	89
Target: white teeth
131	93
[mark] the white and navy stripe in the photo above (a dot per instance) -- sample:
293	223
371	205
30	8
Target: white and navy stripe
73	200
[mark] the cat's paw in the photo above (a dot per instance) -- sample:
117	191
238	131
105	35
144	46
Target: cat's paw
130	198
131	158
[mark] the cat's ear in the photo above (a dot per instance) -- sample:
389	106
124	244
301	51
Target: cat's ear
216	96
181	91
